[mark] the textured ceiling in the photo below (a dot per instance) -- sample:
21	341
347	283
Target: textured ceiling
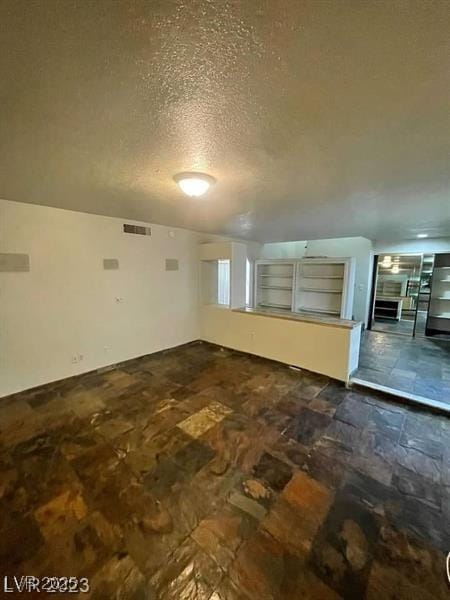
318	119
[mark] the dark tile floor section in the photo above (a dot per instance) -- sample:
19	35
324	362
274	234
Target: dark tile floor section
404	326
419	366
201	473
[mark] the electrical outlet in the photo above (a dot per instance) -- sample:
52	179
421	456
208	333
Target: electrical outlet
80	357
74	359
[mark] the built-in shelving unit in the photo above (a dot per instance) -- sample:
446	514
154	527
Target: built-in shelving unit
310	285
274	284
438	321
325	286
386	287
387	308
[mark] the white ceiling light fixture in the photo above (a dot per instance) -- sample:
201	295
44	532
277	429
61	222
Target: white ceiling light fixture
387	261
395	269
422	235
194	184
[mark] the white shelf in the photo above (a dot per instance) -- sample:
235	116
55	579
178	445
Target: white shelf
322	277
438	321
319	310
273	305
321	291
274	284
275	287
276	276
324	285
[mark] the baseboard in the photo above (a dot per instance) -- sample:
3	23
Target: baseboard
99	370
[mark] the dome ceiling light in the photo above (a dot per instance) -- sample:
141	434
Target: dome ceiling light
194	184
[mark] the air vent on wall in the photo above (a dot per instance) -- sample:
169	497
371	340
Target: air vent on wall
136	229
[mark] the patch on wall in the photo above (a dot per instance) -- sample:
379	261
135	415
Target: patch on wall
110	264
14	263
171	264
136	229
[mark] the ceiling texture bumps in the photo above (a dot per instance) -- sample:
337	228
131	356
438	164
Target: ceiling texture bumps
317	118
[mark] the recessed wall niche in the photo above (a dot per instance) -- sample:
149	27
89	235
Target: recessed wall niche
110	264
171	264
14	263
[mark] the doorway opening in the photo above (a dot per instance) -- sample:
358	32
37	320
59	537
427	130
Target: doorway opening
401	294
406	348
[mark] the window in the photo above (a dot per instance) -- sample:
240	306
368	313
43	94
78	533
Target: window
223	282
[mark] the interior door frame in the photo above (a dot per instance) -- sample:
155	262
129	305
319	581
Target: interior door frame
418	295
373	290
376	258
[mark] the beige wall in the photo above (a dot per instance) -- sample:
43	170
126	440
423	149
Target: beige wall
67	304
332	351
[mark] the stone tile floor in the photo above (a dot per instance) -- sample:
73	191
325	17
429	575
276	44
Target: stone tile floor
201	473
416	365
402	327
